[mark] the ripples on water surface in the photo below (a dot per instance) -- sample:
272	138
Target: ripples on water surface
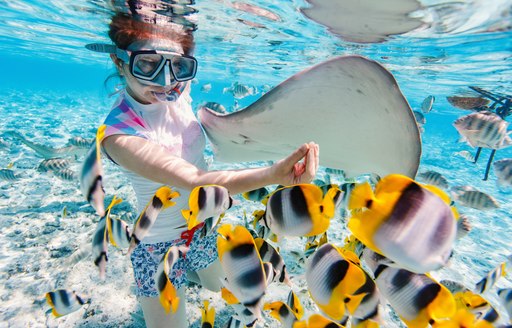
52	89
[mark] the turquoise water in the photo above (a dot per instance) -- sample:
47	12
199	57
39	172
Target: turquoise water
52	89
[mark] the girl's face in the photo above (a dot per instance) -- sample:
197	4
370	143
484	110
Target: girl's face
145	94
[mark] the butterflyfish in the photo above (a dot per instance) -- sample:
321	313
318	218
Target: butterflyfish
490	279
205	202
168	294
91	175
411	224
63	301
245	273
295	305
462	318
256	195
101	239
477	305
243	314
416	298
281	312
119	234
234	323
269	254
207	315
339	286
161	200
505	295
298	210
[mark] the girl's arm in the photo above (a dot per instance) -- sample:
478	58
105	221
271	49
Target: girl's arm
154	162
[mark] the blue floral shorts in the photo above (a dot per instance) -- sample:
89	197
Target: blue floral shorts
146	258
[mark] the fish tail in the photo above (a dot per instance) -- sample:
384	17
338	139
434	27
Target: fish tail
361	196
208	315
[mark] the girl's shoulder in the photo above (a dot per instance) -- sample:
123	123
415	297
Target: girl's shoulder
123	119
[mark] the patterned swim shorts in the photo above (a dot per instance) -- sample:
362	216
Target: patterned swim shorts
146	258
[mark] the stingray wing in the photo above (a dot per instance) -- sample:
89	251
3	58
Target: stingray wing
351	106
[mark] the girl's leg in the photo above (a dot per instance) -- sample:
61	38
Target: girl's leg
156	317
211	276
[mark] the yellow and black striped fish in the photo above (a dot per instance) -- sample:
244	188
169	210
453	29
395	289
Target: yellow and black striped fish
207	315
281	312
205	202
256	195
416	298
245	273
168	294
160	201
91	175
339	286
63	301
411	224
269	254
298	210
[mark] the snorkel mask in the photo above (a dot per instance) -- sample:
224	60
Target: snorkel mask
155	67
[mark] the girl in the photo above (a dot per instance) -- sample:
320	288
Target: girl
153	135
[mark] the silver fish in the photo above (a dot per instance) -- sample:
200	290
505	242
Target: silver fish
66	174
100	247
484	129
53	164
239	91
46	151
465	154
91	175
476	199
206	87
463	226
426	105
215	107
8	175
434	178
420	118
492	276
503	171
80	142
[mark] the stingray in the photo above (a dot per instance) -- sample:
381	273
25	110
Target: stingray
365	21
351	106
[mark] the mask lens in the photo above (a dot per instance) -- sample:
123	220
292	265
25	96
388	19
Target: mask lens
146	65
183	68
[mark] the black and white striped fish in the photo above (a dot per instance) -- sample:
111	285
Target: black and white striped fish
246	276
53	164
161	200
475	199
215	107
91	175
484	129
8	175
490	279
63	301
205	202
503	171
66	174
168	294
434	178
80	142
269	254
505	295
239	91
466	155
416	298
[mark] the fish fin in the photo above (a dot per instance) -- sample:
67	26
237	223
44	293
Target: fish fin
208	314
269	271
55	313
228	296
360	196
295	305
352	302
443	305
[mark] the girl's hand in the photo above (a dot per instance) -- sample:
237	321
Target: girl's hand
291	170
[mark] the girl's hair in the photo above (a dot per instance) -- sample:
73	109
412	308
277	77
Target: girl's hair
124	30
